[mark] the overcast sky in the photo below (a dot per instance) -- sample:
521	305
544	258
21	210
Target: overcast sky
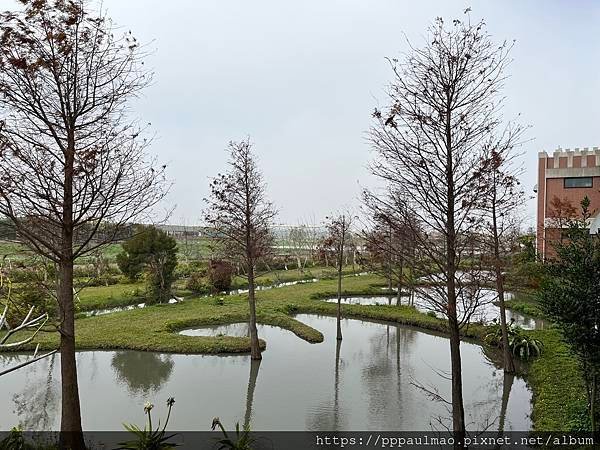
302	78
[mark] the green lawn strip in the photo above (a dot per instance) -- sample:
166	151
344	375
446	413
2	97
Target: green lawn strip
559	399
525	303
118	295
102	297
154	329
284	276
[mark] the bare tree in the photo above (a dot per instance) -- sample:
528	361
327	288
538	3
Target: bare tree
242	218
339	230
73	167
299	245
443	106
502	199
390	240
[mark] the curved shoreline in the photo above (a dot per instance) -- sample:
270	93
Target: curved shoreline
557	394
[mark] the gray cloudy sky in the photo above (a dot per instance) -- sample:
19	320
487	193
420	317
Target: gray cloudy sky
302	78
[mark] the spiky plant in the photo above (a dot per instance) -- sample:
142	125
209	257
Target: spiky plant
243	440
520	343
148	438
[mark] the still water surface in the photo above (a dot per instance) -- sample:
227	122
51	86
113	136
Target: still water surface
367	383
487	312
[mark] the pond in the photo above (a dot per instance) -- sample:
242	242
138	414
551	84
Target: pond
271	286
101	312
367	383
486	312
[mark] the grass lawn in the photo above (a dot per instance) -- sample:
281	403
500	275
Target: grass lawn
154	328
559	399
124	294
100	297
293	274
526	303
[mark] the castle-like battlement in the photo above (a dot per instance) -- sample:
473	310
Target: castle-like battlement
565	152
577	158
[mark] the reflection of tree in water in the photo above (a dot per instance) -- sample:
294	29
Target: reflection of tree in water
254	367
330	415
487	406
142	371
493	408
38	404
383	372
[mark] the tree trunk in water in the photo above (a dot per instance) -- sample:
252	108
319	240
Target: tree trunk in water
339	303
458	412
254	344
254	367
509	364
71	435
399	297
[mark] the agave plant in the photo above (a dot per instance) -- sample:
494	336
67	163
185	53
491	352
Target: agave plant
243	439
148	438
521	344
524	346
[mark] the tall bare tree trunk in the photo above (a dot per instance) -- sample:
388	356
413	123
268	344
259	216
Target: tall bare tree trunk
71	432
71	436
339	300
254	344
458	412
399	285
509	364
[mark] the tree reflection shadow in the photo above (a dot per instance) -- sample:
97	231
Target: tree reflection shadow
330	415
37	405
142	372
254	367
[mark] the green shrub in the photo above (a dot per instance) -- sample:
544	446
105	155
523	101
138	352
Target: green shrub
197	283
185	270
151	252
220	274
291	309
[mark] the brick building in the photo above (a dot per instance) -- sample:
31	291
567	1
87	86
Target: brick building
564	178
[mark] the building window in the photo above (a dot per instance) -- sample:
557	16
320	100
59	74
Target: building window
579	182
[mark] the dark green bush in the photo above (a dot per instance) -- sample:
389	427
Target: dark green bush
220	274
154	253
197	283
